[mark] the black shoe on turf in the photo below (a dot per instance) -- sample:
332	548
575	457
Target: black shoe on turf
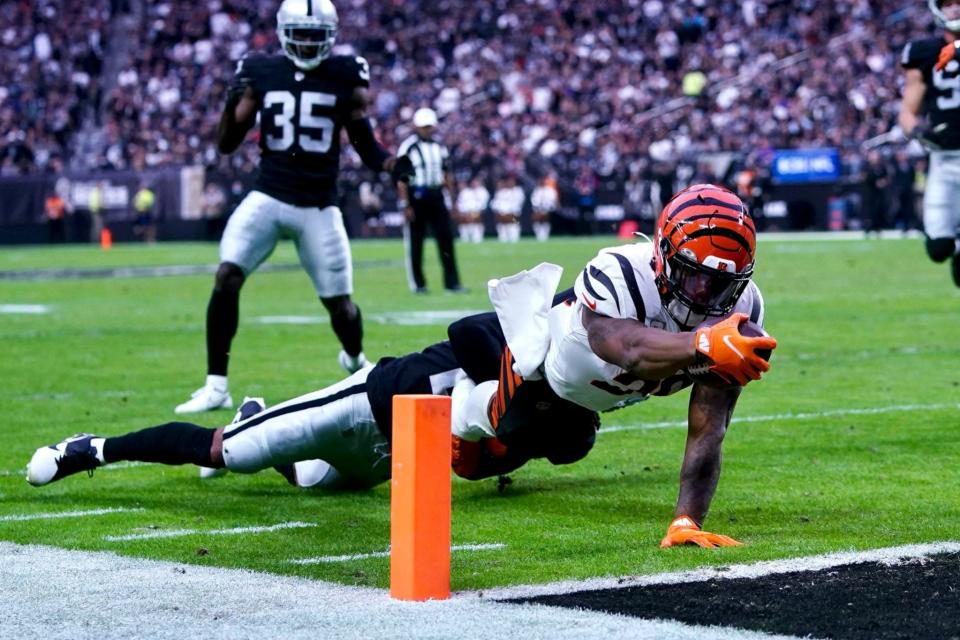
72	455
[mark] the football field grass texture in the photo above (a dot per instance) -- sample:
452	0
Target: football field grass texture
850	442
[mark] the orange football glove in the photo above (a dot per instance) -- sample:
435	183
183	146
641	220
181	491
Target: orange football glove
732	355
684	530
947	54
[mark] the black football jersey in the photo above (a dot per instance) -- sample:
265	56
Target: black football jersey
432	371
941	102
301	115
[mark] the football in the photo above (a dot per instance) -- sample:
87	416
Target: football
701	373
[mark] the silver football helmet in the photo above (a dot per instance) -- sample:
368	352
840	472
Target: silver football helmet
948	18
307	30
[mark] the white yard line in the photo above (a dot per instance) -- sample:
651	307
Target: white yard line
54	515
780	417
25	309
179	533
61	594
405	318
756	570
386	554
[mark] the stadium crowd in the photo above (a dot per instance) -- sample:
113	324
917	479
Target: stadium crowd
608	87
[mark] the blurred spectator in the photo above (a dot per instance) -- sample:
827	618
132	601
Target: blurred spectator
95	209
545	200
876	202
371	203
586	187
904	179
144	205
507	206
55	210
213	209
472	202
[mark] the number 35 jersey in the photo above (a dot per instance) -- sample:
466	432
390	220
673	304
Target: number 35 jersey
301	115
618	283
941	102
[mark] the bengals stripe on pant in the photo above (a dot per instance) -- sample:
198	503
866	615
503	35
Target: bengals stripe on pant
509	381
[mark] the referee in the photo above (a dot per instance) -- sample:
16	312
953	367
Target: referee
422	202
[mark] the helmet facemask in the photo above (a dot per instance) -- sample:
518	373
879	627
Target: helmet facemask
947	17
307	44
695	291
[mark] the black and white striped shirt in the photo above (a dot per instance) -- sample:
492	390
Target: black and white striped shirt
429	160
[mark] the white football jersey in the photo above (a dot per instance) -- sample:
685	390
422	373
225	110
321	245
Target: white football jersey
618	283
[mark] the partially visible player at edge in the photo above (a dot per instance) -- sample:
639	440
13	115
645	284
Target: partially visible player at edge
629	329
304	98
930	113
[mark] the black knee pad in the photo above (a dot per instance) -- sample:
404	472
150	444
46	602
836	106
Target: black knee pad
229	278
940	249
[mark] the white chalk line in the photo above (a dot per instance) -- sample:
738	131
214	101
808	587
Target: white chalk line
887	555
179	533
810	415
25	309
54	515
386	554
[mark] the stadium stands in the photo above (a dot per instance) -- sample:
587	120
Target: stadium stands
621	87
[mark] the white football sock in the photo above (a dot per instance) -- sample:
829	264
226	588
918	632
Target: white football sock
97	443
217	382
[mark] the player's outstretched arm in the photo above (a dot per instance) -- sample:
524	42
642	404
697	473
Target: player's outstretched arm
709	415
648	353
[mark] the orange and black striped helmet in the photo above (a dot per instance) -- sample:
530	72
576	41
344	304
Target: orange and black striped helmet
703	253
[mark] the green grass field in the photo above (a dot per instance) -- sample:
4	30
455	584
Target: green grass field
851	442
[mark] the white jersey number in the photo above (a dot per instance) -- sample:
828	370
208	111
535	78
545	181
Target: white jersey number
316	132
952	84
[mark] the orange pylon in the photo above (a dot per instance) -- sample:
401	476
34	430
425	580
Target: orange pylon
420	498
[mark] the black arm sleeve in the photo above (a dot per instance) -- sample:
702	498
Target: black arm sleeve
361	137
230	134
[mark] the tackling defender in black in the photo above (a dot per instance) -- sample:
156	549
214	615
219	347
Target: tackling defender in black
304	97
339	437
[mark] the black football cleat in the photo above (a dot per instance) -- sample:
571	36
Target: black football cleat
72	455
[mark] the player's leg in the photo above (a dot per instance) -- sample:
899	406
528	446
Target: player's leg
440	222
939	218
950	165
248	239
173	443
414	233
335	425
527	419
324	250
